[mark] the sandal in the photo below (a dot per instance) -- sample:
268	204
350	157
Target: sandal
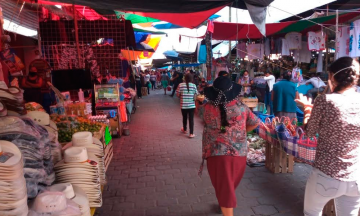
191	135
184	131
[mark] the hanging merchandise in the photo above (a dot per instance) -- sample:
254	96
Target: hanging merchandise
302	55
354	41
255	51
267	46
10	59
296	75
293	40
319	66
275	46
316	40
241	50
285	51
202	52
342	44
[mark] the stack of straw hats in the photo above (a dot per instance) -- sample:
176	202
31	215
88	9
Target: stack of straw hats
94	147
13	193
81	169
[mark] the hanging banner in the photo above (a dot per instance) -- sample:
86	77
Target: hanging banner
354	39
342	43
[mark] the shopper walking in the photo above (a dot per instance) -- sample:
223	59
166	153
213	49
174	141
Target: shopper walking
153	81
335	118
147	81
270	81
187	92
283	96
224	139
165	81
177	78
138	85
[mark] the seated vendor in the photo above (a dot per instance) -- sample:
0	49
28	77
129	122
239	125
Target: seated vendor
32	86
318	84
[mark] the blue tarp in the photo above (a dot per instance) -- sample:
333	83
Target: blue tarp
140	36
303	89
187	65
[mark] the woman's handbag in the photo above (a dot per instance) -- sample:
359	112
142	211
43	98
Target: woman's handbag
307	149
168	88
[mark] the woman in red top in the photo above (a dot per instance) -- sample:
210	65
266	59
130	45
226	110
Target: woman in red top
227	120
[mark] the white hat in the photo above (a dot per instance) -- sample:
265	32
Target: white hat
74	193
3	110
75	155
82	138
55	204
11	155
41	118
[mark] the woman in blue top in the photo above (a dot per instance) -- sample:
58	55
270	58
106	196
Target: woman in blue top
283	96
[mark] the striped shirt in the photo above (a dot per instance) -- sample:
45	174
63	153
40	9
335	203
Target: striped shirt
186	97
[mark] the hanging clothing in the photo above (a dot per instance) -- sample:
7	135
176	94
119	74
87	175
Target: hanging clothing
319	67
302	55
202	52
241	50
267	46
285	51
342	45
255	51
316	40
276	46
293	40
354	39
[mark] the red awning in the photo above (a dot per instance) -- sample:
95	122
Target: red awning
227	31
188	20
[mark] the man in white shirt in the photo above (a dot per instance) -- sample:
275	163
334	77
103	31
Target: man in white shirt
270	81
318	84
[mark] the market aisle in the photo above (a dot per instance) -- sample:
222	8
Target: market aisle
154	172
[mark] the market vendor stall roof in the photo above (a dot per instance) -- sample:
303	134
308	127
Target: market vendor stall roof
158	6
235	31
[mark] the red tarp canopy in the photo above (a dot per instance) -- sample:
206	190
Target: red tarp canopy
188	20
227	31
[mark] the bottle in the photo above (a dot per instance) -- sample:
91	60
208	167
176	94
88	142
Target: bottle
81	96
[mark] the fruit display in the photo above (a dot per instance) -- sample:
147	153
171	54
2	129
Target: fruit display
68	125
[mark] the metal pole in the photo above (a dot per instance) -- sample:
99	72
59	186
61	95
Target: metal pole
229	56
337	35
77	36
326	42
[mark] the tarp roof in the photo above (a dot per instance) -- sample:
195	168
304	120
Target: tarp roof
234	31
159	6
189	20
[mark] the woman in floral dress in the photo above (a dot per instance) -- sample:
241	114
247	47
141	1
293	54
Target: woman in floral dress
227	120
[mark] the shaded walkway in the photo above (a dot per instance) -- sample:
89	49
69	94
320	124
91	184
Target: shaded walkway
154	172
